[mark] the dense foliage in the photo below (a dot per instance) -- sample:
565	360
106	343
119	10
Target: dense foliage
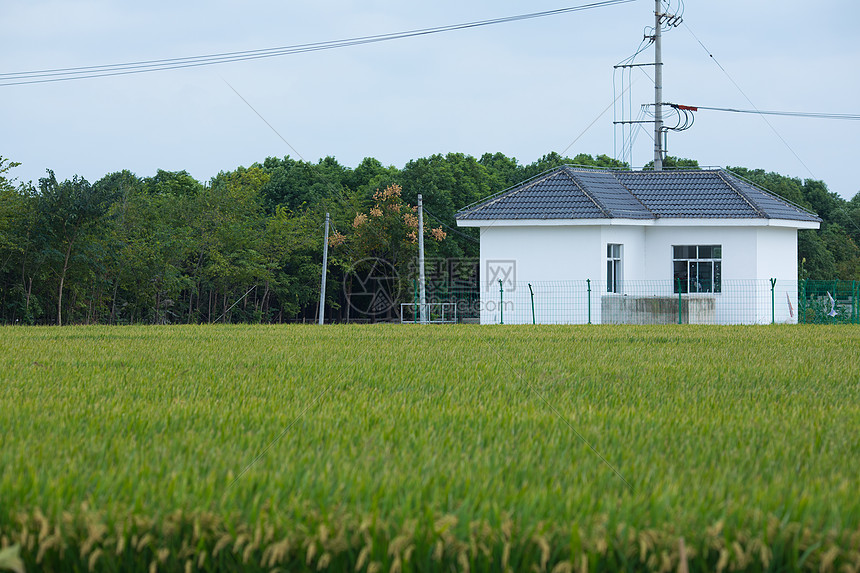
246	246
402	448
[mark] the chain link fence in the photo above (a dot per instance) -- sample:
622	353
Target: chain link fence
648	302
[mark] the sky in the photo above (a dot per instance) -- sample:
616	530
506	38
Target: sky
524	89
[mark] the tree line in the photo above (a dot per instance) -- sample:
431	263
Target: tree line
246	246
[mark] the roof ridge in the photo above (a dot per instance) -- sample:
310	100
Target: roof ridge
780	198
509	192
568	192
755	207
598	204
634	195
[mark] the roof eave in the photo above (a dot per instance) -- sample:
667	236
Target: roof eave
661	222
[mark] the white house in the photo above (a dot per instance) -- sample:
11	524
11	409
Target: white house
637	246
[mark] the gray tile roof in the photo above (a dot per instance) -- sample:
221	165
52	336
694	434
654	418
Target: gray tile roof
571	193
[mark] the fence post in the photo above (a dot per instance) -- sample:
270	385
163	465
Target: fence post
532	293
772	301
678	284
835	300
856	290
415	314
501	303
801	302
588	282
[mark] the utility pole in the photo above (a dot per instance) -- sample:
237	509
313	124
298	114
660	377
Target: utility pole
324	269
422	291
658	87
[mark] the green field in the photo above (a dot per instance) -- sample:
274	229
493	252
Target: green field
431	448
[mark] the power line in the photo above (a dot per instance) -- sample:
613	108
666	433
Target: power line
815	115
87	72
764	118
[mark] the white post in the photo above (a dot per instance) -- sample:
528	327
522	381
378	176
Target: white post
658	87
324	269
422	292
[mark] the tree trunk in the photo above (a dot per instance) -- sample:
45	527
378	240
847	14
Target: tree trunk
91	305
27	303
63	280
265	300
348	299
190	301
113	302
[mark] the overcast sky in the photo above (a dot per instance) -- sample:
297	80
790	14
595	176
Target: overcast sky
524	88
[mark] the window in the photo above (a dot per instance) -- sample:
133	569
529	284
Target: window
613	268
697	267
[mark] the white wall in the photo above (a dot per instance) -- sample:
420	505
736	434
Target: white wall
521	255
777	258
633	258
750	257
739	249
777	253
537	254
549	253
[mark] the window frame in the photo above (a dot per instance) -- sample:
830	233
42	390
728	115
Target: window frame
700	262
614	268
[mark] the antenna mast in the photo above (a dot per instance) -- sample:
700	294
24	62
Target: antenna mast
658	86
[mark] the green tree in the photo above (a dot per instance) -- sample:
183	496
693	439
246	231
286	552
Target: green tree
293	247
296	184
671	162
504	171
386	234
367	178
549	161
11	205
69	210
786	187
448	183
846	255
600	162
20	248
831	251
231	222
815	261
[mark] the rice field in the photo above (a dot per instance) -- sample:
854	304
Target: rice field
409	448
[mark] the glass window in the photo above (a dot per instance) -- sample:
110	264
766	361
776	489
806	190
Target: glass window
685	252
613	268
697	268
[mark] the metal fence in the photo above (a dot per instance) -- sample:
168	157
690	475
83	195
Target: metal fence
652	302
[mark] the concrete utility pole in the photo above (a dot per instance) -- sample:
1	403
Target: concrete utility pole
658	87
324	269
422	292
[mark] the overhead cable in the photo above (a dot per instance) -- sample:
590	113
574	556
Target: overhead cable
86	72
814	115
